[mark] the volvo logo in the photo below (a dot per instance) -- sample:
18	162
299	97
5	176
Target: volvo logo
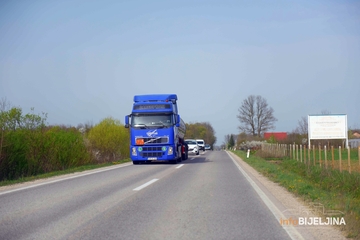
152	133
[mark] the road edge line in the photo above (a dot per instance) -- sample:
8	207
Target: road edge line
290	230
66	178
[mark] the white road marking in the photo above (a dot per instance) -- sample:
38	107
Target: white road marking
66	178
291	231
145	185
180	166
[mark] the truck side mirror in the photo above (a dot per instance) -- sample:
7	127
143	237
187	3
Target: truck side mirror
178	120
127	121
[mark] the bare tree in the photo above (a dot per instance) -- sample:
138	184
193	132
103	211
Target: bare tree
255	116
302	127
4	105
226	139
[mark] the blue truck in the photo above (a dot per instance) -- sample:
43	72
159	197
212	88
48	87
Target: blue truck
156	129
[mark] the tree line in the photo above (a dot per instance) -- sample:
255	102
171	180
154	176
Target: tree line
28	146
201	130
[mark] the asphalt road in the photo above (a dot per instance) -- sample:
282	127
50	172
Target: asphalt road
204	197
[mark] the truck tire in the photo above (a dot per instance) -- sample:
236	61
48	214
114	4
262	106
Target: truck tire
136	162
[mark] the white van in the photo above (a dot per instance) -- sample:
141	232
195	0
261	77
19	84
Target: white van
201	144
192	146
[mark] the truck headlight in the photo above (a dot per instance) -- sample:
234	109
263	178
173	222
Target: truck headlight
170	151
133	151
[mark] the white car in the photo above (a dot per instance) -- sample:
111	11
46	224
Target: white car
201	144
192	146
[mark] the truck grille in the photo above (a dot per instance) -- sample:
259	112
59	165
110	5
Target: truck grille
151	149
149	140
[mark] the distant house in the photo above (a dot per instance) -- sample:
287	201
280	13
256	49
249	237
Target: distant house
355	142
277	135
356	134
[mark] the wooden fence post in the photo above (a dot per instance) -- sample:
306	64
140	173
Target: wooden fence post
300	153
305	154
290	152
349	163
340	159
332	157
309	160
320	155
297	152
314	155
326	164
293	147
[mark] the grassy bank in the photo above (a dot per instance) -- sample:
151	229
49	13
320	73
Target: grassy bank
63	172
335	190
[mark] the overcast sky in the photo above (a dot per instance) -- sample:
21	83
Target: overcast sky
82	61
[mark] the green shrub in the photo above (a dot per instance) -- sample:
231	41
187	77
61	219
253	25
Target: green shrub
64	148
13	163
31	152
109	140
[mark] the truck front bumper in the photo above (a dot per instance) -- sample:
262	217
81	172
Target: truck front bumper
152	153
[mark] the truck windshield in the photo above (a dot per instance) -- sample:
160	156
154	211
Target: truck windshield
151	120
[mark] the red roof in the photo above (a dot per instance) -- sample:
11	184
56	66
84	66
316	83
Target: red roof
277	135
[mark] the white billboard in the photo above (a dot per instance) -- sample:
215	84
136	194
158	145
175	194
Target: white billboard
332	126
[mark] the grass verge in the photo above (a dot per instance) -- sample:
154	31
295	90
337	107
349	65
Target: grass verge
63	172
335	190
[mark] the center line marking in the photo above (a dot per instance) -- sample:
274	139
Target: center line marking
180	166
145	185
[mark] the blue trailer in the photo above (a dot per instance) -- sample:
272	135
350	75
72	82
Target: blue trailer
156	129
